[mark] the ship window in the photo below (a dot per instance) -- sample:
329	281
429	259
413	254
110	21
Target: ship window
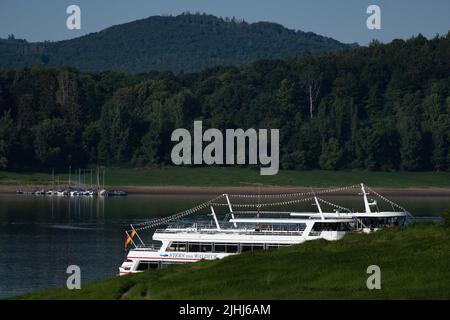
145	265
205	247
246	247
220	247
323	226
194	247
200	247
177	246
142	266
232	248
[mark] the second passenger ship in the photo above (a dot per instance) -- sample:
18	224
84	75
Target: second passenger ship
251	230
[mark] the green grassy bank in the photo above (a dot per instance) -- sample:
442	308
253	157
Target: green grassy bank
232	176
414	264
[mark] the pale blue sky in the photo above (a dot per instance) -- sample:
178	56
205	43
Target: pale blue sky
345	20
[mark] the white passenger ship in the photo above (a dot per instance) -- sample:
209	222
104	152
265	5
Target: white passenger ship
243	231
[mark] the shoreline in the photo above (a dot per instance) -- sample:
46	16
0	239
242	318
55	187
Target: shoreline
267	189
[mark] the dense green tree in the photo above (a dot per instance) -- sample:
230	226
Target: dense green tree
7	136
411	144
331	156
115	133
384	107
49	142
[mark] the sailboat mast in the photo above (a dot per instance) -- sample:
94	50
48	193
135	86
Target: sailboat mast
97	171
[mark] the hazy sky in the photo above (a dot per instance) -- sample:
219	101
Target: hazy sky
344	20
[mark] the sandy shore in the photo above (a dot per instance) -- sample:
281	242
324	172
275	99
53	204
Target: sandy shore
190	190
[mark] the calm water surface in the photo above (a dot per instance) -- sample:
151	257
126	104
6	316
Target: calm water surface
40	236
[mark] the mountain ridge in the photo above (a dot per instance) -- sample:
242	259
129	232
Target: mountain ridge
183	43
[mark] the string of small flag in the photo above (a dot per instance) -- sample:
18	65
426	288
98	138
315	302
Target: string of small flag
164	220
268	204
296	194
176	216
387	200
334	205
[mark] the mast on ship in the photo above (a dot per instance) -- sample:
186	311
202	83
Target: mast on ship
213	213
367	204
231	209
319	207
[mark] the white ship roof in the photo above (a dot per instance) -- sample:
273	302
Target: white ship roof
288	221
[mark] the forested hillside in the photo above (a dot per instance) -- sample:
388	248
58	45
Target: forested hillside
188	42
385	107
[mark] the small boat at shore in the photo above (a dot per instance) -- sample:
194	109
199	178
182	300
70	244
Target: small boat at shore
62	193
74	192
80	189
249	228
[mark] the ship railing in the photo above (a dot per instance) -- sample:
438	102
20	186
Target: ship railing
239	232
230	226
150	247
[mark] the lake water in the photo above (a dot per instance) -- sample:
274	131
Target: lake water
41	236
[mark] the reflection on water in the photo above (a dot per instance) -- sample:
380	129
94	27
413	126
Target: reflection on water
40	236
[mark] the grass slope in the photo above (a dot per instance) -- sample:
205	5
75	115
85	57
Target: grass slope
414	264
229	176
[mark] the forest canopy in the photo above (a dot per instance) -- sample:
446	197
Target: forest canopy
384	107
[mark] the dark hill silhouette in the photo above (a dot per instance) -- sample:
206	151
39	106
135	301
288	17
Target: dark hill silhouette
187	42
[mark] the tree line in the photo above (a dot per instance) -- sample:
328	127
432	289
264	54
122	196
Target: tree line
383	107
